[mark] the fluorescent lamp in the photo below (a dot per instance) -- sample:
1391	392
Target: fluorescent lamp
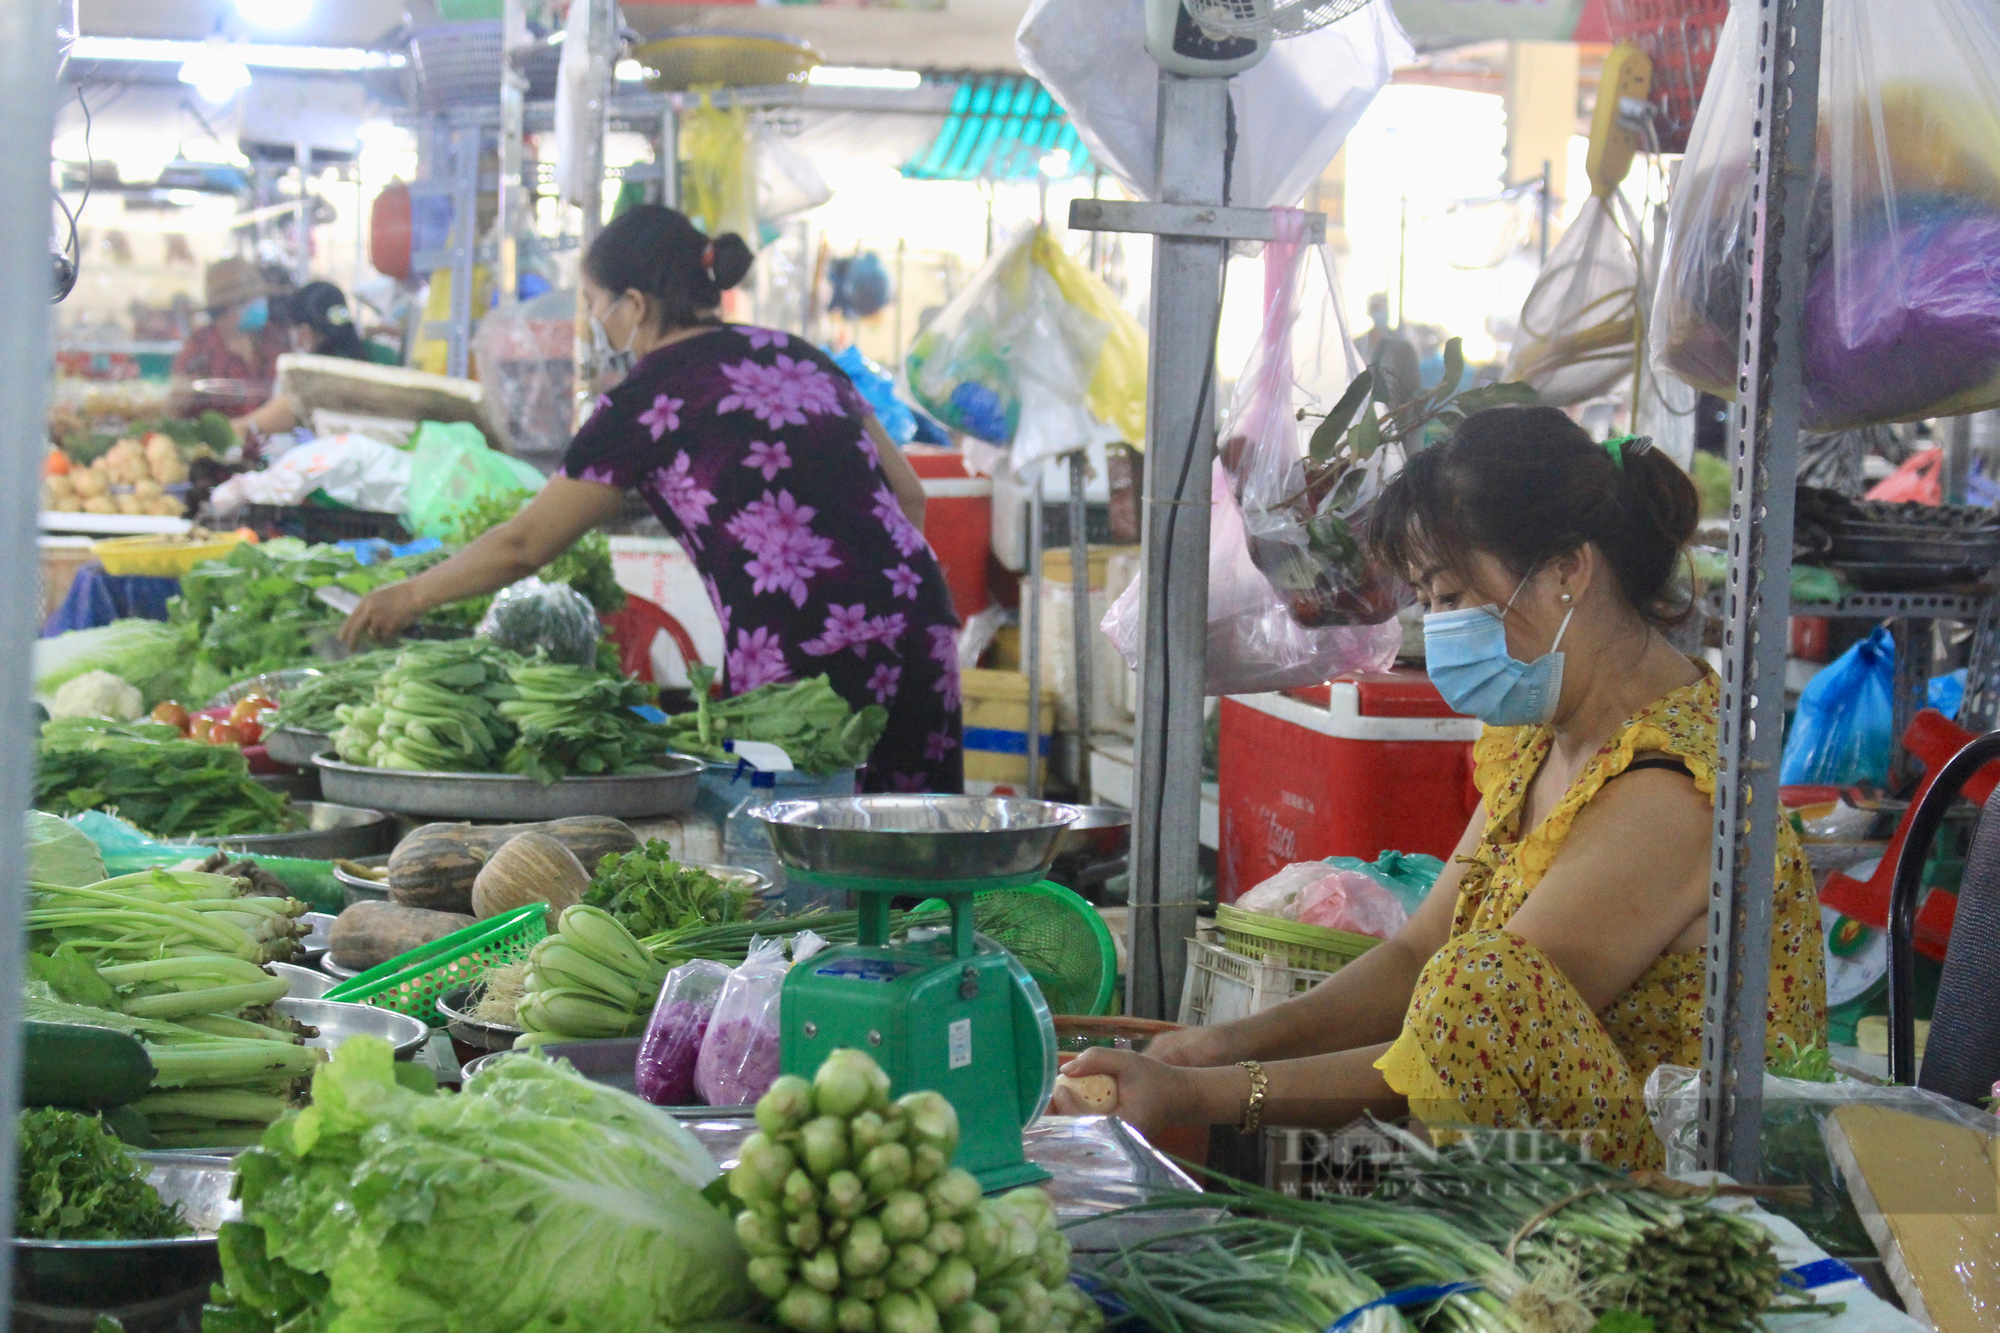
1055	163
216	74
274	13
630	71
859	76
256	55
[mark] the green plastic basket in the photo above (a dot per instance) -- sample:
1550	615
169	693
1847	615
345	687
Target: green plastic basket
1257	935
413	982
1058	936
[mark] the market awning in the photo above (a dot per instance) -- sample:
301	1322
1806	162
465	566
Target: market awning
1000	127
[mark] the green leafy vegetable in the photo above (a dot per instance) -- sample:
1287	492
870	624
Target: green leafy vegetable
61	853
74	1181
811	722
533	1200
312	705
151	655
578	720
149	774
651	893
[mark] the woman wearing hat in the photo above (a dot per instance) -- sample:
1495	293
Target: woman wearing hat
322	324
228	364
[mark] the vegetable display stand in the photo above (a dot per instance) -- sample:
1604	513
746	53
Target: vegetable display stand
666	789
952	1012
413	983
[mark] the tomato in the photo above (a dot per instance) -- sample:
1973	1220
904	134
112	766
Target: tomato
200	728
249	706
251	730
173	714
223	733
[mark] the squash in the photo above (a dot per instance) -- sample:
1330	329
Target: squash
369	932
533	867
436	865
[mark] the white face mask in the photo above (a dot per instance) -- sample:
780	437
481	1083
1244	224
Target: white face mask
612	360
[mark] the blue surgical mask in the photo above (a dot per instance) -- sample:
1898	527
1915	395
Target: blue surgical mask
255	316
1465	652
612	360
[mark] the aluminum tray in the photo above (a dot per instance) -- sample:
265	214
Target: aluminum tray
505	796
338	1020
72	1274
289	745
333	829
359	890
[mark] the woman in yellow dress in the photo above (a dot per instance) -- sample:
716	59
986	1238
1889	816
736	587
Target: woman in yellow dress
1560	956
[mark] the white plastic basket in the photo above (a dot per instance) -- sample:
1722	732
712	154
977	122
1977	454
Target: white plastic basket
1221	986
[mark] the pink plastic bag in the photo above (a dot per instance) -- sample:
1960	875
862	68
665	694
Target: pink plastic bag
664	1072
739	1052
1280	894
1351	901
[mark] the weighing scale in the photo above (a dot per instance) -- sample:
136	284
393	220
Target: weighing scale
951	1011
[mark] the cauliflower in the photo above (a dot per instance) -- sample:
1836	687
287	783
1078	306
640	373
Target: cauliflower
98	694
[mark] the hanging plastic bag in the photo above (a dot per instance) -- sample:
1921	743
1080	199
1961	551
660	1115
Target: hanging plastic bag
1841	732
1901	314
898	422
451	469
719	169
787	180
664	1072
525	359
1579	327
552	619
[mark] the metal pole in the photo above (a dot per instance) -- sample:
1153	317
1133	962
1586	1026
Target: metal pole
464	245
27	103
302	157
670	155
514	44
1763	453
902	254
603	35
1079	607
1546	206
1031	635
1402	258
1096	239
1173	641
1957	447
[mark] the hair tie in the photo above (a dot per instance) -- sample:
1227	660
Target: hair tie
708	260
1616	447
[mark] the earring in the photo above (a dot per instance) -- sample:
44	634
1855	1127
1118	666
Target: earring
1564	599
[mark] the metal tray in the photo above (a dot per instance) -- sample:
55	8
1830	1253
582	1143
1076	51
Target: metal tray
332	829
337	1021
474	1031
97	1274
361	890
306	984
319	939
289	745
930	838
505	796
1877	544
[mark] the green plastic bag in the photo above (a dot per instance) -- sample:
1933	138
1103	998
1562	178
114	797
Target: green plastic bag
452	469
126	850
1408	875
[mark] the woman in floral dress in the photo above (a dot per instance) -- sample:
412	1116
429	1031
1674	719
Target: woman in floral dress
762	459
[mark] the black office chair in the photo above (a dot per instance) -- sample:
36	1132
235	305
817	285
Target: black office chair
1962	1057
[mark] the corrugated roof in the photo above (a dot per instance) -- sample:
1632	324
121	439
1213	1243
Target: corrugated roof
1000	127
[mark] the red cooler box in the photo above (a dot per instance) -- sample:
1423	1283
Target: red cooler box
1373	762
958	519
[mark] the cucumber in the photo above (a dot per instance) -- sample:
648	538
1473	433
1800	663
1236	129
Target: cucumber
70	1064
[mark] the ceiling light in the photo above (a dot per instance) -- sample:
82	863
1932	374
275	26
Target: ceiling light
274	13
631	71
858	76
216	73
1055	163
256	55
384	134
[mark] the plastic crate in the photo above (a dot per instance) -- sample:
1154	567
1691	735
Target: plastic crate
1678	36
315	524
413	982
458	64
1270	938
1222	986
161	557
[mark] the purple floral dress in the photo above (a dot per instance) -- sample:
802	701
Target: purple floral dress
752	448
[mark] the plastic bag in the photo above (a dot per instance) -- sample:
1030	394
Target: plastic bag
1900	311
1035	353
1580	324
719	169
739	1052
451	469
1352	901
664	1073
357	471
1792	1143
898	422
1407	875
525	358
1279	895
553	619
1841	733
1292	109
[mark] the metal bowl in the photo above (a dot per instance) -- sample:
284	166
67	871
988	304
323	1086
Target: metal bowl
504	796
319	939
331	830
475	1031
361	890
949	838
305	983
289	745
1100	833
97	1274
337	1021
753	882
272	685
336	971
301	786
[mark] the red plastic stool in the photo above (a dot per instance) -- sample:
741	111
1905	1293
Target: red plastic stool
634	627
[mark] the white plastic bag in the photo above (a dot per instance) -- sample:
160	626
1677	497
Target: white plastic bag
1580	324
1351	901
1293	109
525	359
1279	895
739	1052
353	469
1900	310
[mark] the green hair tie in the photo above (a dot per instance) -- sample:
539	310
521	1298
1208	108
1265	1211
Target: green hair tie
1616	448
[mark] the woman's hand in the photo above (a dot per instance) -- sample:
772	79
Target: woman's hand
1151	1095
382	615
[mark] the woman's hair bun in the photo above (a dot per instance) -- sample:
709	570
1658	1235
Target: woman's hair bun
732	260
660	252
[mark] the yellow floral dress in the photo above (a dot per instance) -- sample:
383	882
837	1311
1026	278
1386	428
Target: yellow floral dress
1497	1036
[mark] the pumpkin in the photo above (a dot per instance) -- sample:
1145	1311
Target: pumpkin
369	933
532	867
435	866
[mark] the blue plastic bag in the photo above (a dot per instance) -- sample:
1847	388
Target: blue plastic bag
880	391
1841	733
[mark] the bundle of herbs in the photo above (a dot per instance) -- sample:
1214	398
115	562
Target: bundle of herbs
651	893
575	719
155	778
74	1181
